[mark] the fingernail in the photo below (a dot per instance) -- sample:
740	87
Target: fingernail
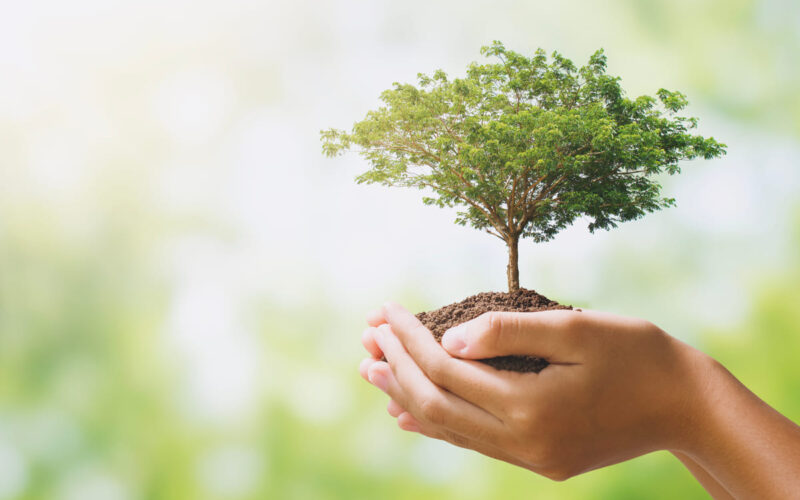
379	380
453	339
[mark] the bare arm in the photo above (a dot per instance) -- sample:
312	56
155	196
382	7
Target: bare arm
744	443
703	477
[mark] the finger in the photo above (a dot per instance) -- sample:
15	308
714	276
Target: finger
474	382
424	400
375	317
548	334
368	341
464	442
407	422
363	368
394	408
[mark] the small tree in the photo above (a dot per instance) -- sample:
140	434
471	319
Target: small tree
525	145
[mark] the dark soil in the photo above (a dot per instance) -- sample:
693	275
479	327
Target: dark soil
439	320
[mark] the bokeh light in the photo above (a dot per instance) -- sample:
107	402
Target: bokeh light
184	276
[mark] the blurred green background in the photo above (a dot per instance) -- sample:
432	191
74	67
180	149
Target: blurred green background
183	276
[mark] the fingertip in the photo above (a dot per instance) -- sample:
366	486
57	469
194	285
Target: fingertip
407	422
368	341
381	367
378	375
375	317
391	308
380	335
454	340
363	367
394	408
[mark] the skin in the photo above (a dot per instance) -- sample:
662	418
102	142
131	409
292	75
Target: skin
616	388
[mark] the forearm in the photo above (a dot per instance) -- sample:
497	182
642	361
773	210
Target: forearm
710	484
746	446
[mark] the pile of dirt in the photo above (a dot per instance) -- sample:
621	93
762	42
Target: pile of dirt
439	320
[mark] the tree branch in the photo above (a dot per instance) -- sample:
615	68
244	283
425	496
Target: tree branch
498	226
492	211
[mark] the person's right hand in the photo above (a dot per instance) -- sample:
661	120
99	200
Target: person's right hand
616	388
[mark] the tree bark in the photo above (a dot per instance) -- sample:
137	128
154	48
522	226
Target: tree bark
512	271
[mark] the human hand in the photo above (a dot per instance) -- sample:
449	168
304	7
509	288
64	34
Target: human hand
616	387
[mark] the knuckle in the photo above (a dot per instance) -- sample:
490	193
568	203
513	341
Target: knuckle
519	408
509	329
572	327
652	329
436	370
542	453
558	474
652	334
492	323
456	439
445	371
492	320
573	321
508	395
482	435
496	331
431	409
521	419
391	361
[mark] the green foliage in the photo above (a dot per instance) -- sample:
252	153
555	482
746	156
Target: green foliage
526	145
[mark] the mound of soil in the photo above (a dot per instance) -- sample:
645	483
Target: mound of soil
439	320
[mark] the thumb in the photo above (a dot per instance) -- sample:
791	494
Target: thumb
547	334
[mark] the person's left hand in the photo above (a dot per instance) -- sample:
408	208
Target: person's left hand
481	426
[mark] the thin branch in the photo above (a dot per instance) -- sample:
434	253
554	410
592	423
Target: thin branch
421	150
494	234
454	194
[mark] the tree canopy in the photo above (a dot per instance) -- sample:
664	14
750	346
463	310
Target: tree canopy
525	145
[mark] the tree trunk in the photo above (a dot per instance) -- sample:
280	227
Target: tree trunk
512	271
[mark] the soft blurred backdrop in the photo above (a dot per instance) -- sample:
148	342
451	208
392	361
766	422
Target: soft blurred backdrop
184	276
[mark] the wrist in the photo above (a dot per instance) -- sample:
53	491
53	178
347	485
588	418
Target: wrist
705	388
742	442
